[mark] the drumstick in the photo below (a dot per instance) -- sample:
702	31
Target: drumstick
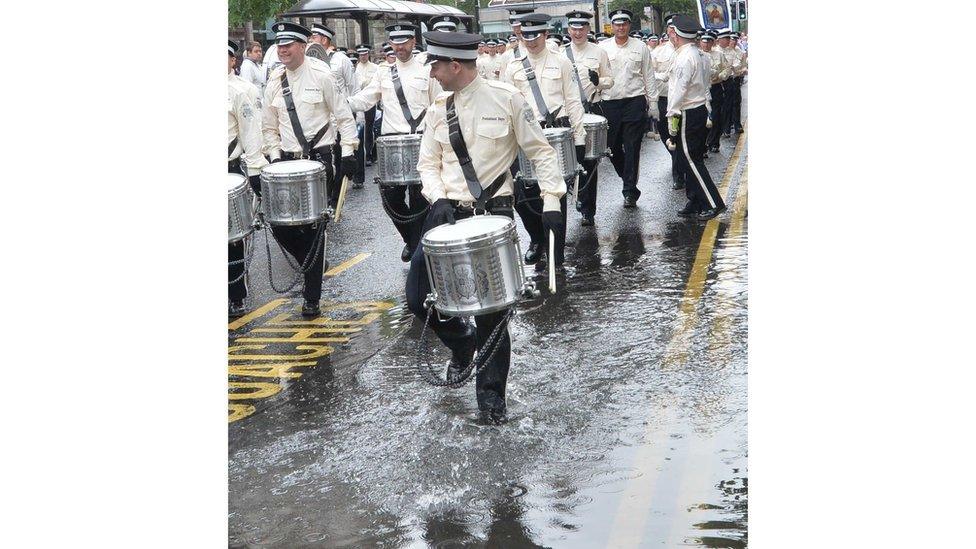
342	198
552	262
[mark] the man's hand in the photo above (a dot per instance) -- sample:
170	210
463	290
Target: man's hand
594	77
553	223
255	181
348	165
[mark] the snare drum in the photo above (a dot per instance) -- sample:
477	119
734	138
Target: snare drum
294	192
240	218
396	159
475	265
561	139
596	136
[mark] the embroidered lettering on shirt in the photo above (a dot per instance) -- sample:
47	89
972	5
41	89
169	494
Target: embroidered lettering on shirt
316	90
493	118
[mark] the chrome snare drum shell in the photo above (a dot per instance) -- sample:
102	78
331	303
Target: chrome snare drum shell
596	136
474	266
294	192
561	139
396	159
240	217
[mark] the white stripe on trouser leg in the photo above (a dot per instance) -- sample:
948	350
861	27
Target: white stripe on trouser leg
684	147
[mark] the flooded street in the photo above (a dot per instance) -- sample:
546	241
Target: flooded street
626	399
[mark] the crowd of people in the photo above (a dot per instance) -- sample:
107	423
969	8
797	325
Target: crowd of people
476	104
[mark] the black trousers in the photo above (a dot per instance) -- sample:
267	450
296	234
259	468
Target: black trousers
588	187
339	174
733	97
529	204
395	198
299	240
369	142
688	157
627	124
718	115
491	382
235	252
662	130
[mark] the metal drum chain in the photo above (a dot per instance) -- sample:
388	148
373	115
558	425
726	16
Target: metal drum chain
479	363
402	219
299	271
246	261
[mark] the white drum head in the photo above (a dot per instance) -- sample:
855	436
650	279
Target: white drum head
235	181
590	118
468	229
286	167
556	132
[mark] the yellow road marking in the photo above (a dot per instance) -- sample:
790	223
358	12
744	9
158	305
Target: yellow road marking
238	411
635	503
347	264
256	313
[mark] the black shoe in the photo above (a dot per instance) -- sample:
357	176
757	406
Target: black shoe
533	254
369	162
713	149
493	416
236	309
710	213
541	265
311	309
739	130
587	221
406	254
689	210
630	202
678	185
357	184
727	135
579	206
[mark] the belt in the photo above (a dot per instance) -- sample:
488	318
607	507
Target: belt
500	202
321	152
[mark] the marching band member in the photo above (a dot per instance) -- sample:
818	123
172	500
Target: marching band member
687	116
366	154
289	119
662	58
628	102
493	120
405	90
721	72
243	143
546	81
593	75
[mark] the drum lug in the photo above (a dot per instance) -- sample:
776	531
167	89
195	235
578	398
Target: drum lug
529	291
430	301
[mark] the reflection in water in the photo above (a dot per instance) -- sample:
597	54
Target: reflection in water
360	452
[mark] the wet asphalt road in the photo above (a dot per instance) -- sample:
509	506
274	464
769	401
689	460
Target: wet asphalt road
627	395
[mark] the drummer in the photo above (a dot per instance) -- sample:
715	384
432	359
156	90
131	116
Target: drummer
554	98
493	120
593	69
244	157
404	102
310	134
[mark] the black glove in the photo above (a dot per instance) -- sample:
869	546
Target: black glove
553	221
348	165
594	77
580	153
255	181
441	212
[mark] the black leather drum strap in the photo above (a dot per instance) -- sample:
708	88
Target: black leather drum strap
576	76
231	147
534	85
461	150
398	87
296	126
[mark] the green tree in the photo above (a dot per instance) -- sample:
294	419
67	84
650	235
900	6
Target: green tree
242	12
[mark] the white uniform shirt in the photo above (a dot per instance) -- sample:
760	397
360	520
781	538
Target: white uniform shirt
252	73
633	73
243	124
663	57
344	72
686	85
721	68
419	89
592	58
740	62
495	121
317	100
365	72
554	74
270	61
489	66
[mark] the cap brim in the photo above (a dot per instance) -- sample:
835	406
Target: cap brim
285	41
399	40
530	37
577	25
